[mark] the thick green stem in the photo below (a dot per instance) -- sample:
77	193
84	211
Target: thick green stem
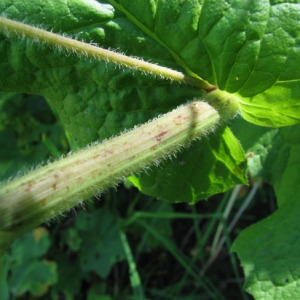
44	193
18	28
225	103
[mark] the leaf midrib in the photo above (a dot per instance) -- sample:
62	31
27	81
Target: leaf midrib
206	85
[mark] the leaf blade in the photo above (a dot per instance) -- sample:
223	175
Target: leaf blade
272	269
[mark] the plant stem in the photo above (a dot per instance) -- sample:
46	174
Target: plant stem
135	279
46	192
18	28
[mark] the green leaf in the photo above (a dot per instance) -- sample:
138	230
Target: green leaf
284	164
276	106
72	239
70	276
213	165
269	254
101	245
254	53
271	93
257	142
272	270
30	273
248	48
275	156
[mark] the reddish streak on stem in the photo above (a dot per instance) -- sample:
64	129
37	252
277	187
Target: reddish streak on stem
160	135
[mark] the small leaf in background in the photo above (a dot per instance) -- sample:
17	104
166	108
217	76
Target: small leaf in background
101	245
29	271
72	239
269	254
70	276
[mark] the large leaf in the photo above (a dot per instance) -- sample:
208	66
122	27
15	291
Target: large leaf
244	47
96	100
272	269
269	253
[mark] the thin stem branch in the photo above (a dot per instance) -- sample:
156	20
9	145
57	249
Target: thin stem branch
56	40
220	241
135	279
227	210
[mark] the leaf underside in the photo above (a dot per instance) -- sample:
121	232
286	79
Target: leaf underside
272	269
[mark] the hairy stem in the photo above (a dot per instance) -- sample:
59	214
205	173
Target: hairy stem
18	28
44	193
